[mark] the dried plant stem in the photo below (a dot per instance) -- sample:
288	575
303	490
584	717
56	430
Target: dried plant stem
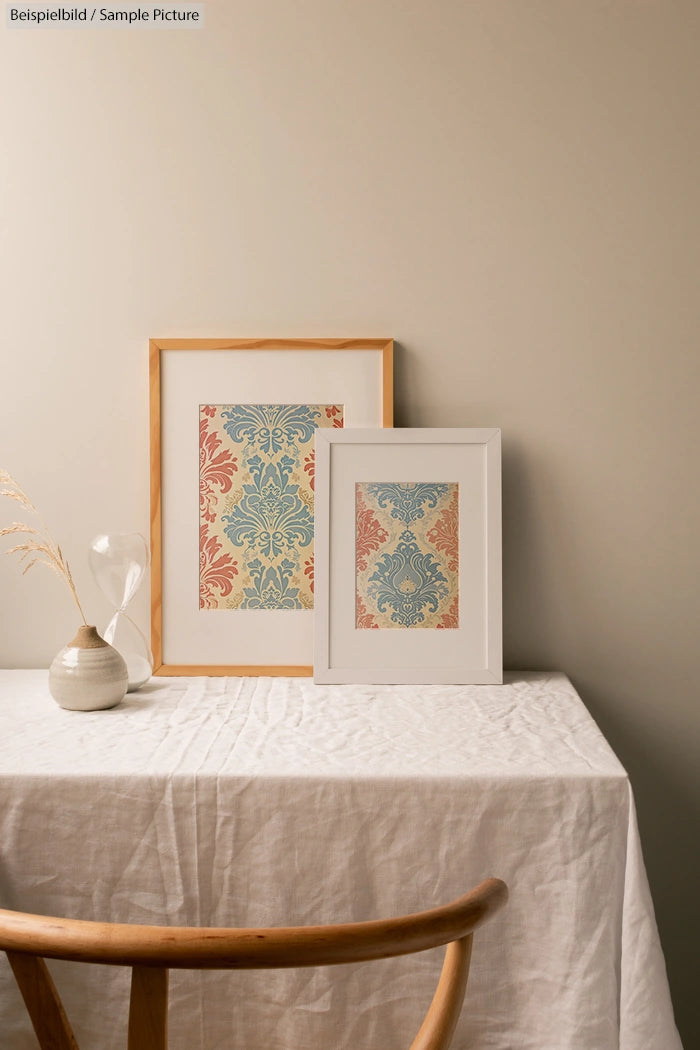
38	548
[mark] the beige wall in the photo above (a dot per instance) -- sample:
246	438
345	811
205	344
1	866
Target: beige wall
508	189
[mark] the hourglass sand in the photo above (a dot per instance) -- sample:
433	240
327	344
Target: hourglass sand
119	562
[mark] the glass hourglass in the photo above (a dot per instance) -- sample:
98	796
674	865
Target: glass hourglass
119	562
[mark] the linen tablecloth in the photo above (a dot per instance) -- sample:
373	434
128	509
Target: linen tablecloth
244	801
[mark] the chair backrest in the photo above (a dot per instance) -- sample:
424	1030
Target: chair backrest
152	950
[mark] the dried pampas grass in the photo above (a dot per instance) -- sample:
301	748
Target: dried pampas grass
38	548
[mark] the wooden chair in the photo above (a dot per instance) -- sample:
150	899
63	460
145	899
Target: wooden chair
152	950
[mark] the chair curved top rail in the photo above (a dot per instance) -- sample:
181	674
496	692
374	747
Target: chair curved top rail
187	947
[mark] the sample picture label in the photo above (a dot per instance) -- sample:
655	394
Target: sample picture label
92	16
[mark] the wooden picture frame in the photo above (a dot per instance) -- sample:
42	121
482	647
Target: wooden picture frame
213	608
408	556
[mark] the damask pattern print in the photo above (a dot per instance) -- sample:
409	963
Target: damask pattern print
407	555
217	466
257	504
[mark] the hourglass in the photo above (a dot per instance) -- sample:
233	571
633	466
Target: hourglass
119	562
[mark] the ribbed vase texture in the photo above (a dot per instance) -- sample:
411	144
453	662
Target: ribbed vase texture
88	674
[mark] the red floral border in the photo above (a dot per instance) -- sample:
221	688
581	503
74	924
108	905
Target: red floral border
216	470
445	533
369	534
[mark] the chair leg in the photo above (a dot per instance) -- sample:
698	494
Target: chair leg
43	1002
441	1019
148	1008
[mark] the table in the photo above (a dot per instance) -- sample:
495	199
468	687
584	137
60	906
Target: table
234	801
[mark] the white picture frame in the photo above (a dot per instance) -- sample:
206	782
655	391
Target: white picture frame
467	461
185	376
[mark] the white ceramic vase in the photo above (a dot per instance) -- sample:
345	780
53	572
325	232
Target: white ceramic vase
88	674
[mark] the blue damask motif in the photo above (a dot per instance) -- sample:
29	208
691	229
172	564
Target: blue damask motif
271	588
271	517
407	582
270	427
407	499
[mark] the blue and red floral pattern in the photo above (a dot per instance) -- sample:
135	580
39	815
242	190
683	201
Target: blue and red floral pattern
257	503
407	555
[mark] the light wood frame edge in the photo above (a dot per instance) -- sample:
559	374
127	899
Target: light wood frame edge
156	524
386	346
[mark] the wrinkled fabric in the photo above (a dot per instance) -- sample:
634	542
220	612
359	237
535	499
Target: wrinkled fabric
261	801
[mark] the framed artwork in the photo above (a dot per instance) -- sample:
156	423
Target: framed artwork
233	492
408	556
